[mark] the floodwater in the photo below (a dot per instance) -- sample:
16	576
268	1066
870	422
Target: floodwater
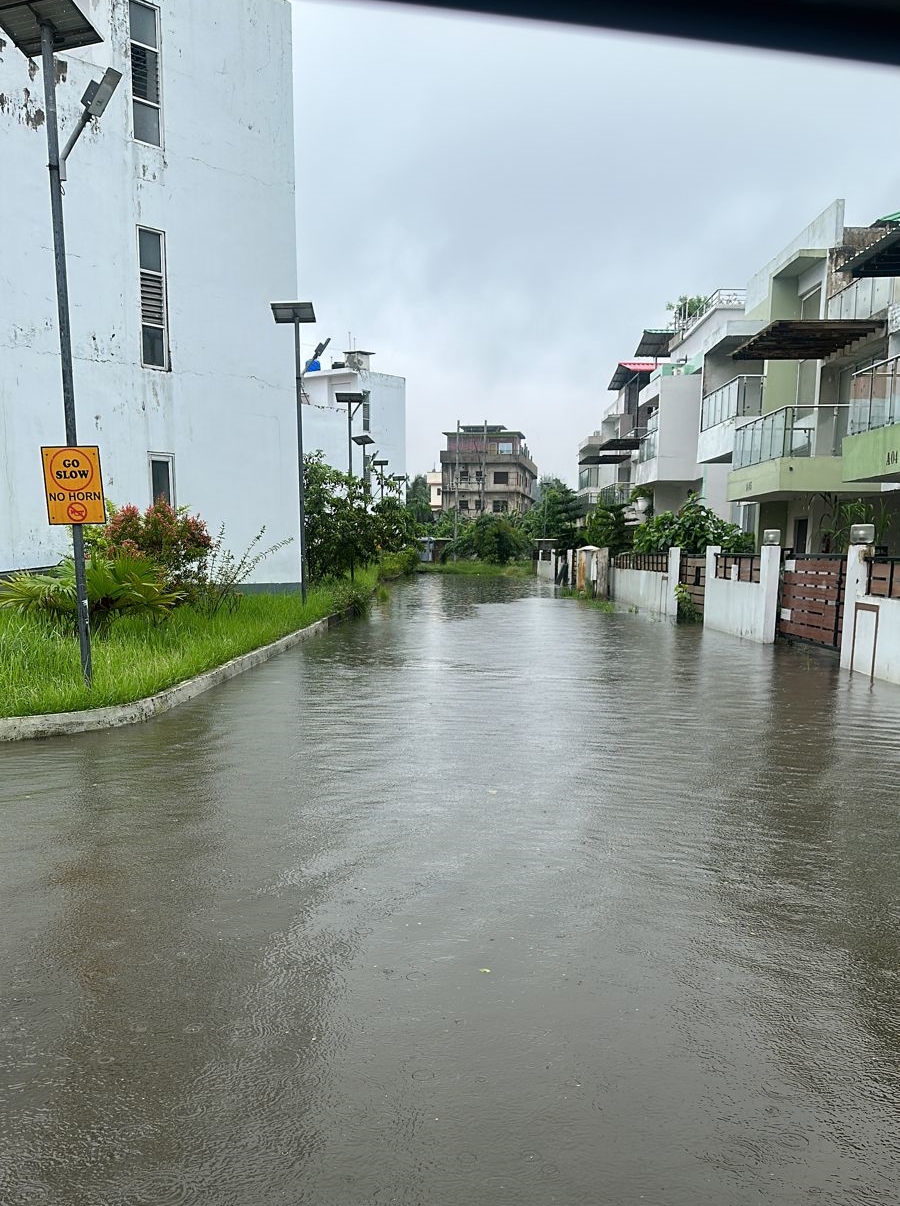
491	899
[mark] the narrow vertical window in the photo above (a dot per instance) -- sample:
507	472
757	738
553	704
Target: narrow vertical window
154	316
367	416
145	89
162	484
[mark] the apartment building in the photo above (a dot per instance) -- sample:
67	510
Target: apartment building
180	228
487	468
377	418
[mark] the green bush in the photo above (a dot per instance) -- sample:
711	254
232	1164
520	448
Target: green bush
175	540
116	587
606	528
490	538
399	565
351	599
692	529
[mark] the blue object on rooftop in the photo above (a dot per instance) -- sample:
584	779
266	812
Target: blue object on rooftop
313	366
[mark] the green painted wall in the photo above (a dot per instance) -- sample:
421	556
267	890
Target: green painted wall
873	456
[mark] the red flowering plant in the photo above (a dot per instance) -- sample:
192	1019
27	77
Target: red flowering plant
176	541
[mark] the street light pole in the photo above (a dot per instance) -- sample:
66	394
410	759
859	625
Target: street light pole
32	31
65	334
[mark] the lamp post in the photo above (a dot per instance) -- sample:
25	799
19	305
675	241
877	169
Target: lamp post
380	465
45	28
353	401
296	313
363	440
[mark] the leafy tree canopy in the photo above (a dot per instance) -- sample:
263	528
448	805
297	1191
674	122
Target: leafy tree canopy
693	528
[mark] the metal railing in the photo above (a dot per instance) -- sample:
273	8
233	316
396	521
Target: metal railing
875	397
738	398
884	577
790	431
722	297
657	563
617	494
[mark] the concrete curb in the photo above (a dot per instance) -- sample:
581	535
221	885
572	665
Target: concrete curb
63	724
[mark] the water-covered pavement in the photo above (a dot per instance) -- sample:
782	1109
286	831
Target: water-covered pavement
493	898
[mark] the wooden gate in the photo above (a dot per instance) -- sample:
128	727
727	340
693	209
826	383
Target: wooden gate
693	576
811	607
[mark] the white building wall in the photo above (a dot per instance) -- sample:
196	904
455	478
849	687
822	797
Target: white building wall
222	190
325	422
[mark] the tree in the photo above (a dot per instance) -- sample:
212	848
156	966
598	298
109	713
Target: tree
606	528
418	500
340	527
554	516
491	538
686	308
693	528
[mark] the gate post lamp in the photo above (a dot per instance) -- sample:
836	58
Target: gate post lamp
45	28
353	401
296	313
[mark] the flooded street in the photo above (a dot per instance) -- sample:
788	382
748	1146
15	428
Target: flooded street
490	899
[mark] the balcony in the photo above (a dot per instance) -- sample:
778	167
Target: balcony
616	495
790	431
648	450
722	299
794	450
741	397
872	447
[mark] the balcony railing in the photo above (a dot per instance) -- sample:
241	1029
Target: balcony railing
791	431
875	397
863	298
617	494
738	398
732	298
648	449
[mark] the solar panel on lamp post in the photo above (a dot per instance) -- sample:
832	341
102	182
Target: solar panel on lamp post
363	440
353	401
45	28
293	314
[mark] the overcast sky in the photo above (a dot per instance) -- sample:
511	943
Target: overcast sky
498	209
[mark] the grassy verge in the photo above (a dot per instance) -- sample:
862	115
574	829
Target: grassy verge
40	669
483	569
568	592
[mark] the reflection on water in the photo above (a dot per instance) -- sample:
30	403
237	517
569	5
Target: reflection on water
494	898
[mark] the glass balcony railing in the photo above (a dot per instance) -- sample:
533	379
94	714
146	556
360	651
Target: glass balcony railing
738	398
875	397
867	296
648	449
617	494
790	431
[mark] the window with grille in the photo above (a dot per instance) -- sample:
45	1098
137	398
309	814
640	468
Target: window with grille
367	416
162	478
145	77
500	506
154	315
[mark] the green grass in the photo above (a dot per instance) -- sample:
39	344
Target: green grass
40	670
569	592
515	569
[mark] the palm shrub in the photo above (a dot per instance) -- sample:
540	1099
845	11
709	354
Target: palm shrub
116	586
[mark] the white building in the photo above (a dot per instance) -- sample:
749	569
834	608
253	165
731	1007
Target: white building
180	229
382	415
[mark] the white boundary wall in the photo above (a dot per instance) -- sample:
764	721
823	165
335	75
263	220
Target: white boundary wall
743	609
647	590
870	642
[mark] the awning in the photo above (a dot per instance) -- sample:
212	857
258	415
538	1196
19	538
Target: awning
654	343
627	369
806	338
878	259
603	458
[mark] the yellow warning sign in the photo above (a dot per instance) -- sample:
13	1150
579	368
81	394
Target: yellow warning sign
73	485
